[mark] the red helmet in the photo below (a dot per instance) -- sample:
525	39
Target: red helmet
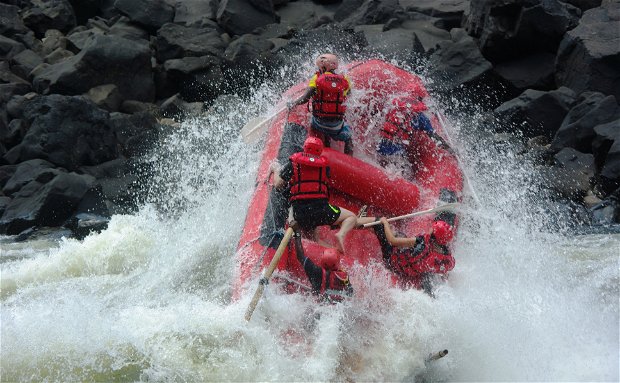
443	232
409	104
327	62
330	259
313	145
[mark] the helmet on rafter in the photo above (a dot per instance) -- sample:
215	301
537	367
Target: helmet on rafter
443	232
313	145
327	62
330	259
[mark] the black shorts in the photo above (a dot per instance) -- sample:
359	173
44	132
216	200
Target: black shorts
314	212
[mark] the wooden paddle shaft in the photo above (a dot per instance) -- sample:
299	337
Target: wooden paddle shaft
447	206
268	272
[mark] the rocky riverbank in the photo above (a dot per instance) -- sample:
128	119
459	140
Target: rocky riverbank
87	87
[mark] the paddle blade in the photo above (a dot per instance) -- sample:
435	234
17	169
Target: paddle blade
252	131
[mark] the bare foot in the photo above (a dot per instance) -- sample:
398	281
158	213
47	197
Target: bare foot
340	244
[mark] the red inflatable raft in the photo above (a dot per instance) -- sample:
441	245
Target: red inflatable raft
433	176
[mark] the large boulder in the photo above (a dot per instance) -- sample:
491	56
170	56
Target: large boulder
451	12
589	56
577	129
192	13
458	61
67	131
606	149
104	60
177	41
195	78
535	71
509	29
571	174
151	14
9	48
11	21
49	14
48	203
239	17
537	112
368	12
40	170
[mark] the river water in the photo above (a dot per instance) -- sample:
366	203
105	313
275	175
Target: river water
148	299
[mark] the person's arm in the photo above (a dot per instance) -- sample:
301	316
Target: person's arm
442	143
303	98
281	175
393	240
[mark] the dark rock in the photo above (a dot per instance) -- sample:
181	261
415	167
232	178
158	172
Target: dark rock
458	61
239	17
15	106
608	134
138	107
589	56
342	41
192	13
91	214
537	112
135	133
57	56
177	41
106	97
49	14
584	5
605	135
4	202
67	131
53	40
577	129
111	169
14	133
248	50
352	13
10	21
194	78
76	41
104	60
40	170
6	172
572	173
306	14
451	12
532	72
176	108
509	29
49	204
427	35
24	62
125	29
397	43
152	14
9	48
607	212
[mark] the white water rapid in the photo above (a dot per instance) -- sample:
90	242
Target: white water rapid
148	299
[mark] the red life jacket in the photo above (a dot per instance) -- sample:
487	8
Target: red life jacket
395	126
335	286
397	120
329	98
309	180
422	258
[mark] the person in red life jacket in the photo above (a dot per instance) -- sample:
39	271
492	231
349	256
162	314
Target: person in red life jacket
307	177
415	259
328	91
405	117
329	282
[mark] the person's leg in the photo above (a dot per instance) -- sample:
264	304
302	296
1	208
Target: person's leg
347	221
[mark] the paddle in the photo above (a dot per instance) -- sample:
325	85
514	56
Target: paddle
448	206
265	279
254	128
